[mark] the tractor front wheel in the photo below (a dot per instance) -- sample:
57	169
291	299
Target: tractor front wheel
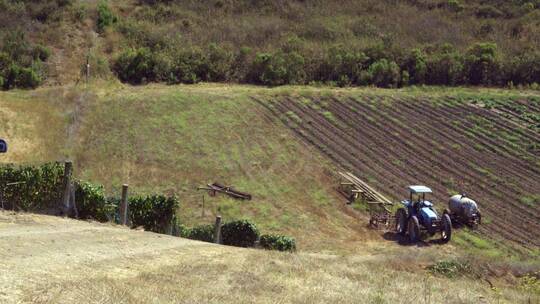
446	228
401	221
414	229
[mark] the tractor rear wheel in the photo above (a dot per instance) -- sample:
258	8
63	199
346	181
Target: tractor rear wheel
446	228
414	229
401	221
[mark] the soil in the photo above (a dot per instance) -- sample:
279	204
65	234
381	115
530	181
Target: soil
447	145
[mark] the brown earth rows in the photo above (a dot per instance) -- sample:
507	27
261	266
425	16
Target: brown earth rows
396	142
444	169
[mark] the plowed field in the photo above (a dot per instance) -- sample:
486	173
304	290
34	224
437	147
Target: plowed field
489	151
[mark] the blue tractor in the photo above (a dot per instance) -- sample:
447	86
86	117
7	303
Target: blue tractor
419	215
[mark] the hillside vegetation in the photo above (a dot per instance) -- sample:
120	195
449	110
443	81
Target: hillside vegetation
382	43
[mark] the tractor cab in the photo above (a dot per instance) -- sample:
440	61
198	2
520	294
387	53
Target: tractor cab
419	214
418	206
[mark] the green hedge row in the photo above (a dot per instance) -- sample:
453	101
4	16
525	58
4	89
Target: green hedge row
277	242
40	189
203	233
481	64
241	233
155	212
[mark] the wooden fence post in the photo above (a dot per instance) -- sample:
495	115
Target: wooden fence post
124	205
217	230
68	169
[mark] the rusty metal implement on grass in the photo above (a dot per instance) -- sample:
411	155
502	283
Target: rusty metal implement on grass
228	190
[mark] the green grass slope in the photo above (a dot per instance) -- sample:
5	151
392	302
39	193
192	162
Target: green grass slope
174	139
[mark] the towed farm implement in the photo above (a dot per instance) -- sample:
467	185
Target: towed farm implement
354	188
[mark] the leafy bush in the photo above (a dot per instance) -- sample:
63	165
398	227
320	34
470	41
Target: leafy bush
416	67
384	73
277	242
240	233
41	52
21	64
342	65
445	67
91	202
268	69
524	68
190	66
40	189
450	269
136	66
482	64
219	62
21	77
105	16
27	78
203	233
155	213
278	68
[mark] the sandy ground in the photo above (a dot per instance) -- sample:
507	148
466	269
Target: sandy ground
34	248
46	259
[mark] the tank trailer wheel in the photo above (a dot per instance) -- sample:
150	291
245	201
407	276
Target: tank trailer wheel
446	228
414	229
401	221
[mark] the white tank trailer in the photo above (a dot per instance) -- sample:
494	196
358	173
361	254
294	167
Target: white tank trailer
464	210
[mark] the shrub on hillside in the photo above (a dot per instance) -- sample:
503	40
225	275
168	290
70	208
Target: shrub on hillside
203	233
155	213
384	73
91	202
136	66
41	52
482	65
416	67
277	68
268	69
219	63
39	190
240	233
277	242
19	77
340	64
524	68
445	67
189	66
105	17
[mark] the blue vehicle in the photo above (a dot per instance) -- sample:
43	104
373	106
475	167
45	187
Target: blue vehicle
418	215
3	146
